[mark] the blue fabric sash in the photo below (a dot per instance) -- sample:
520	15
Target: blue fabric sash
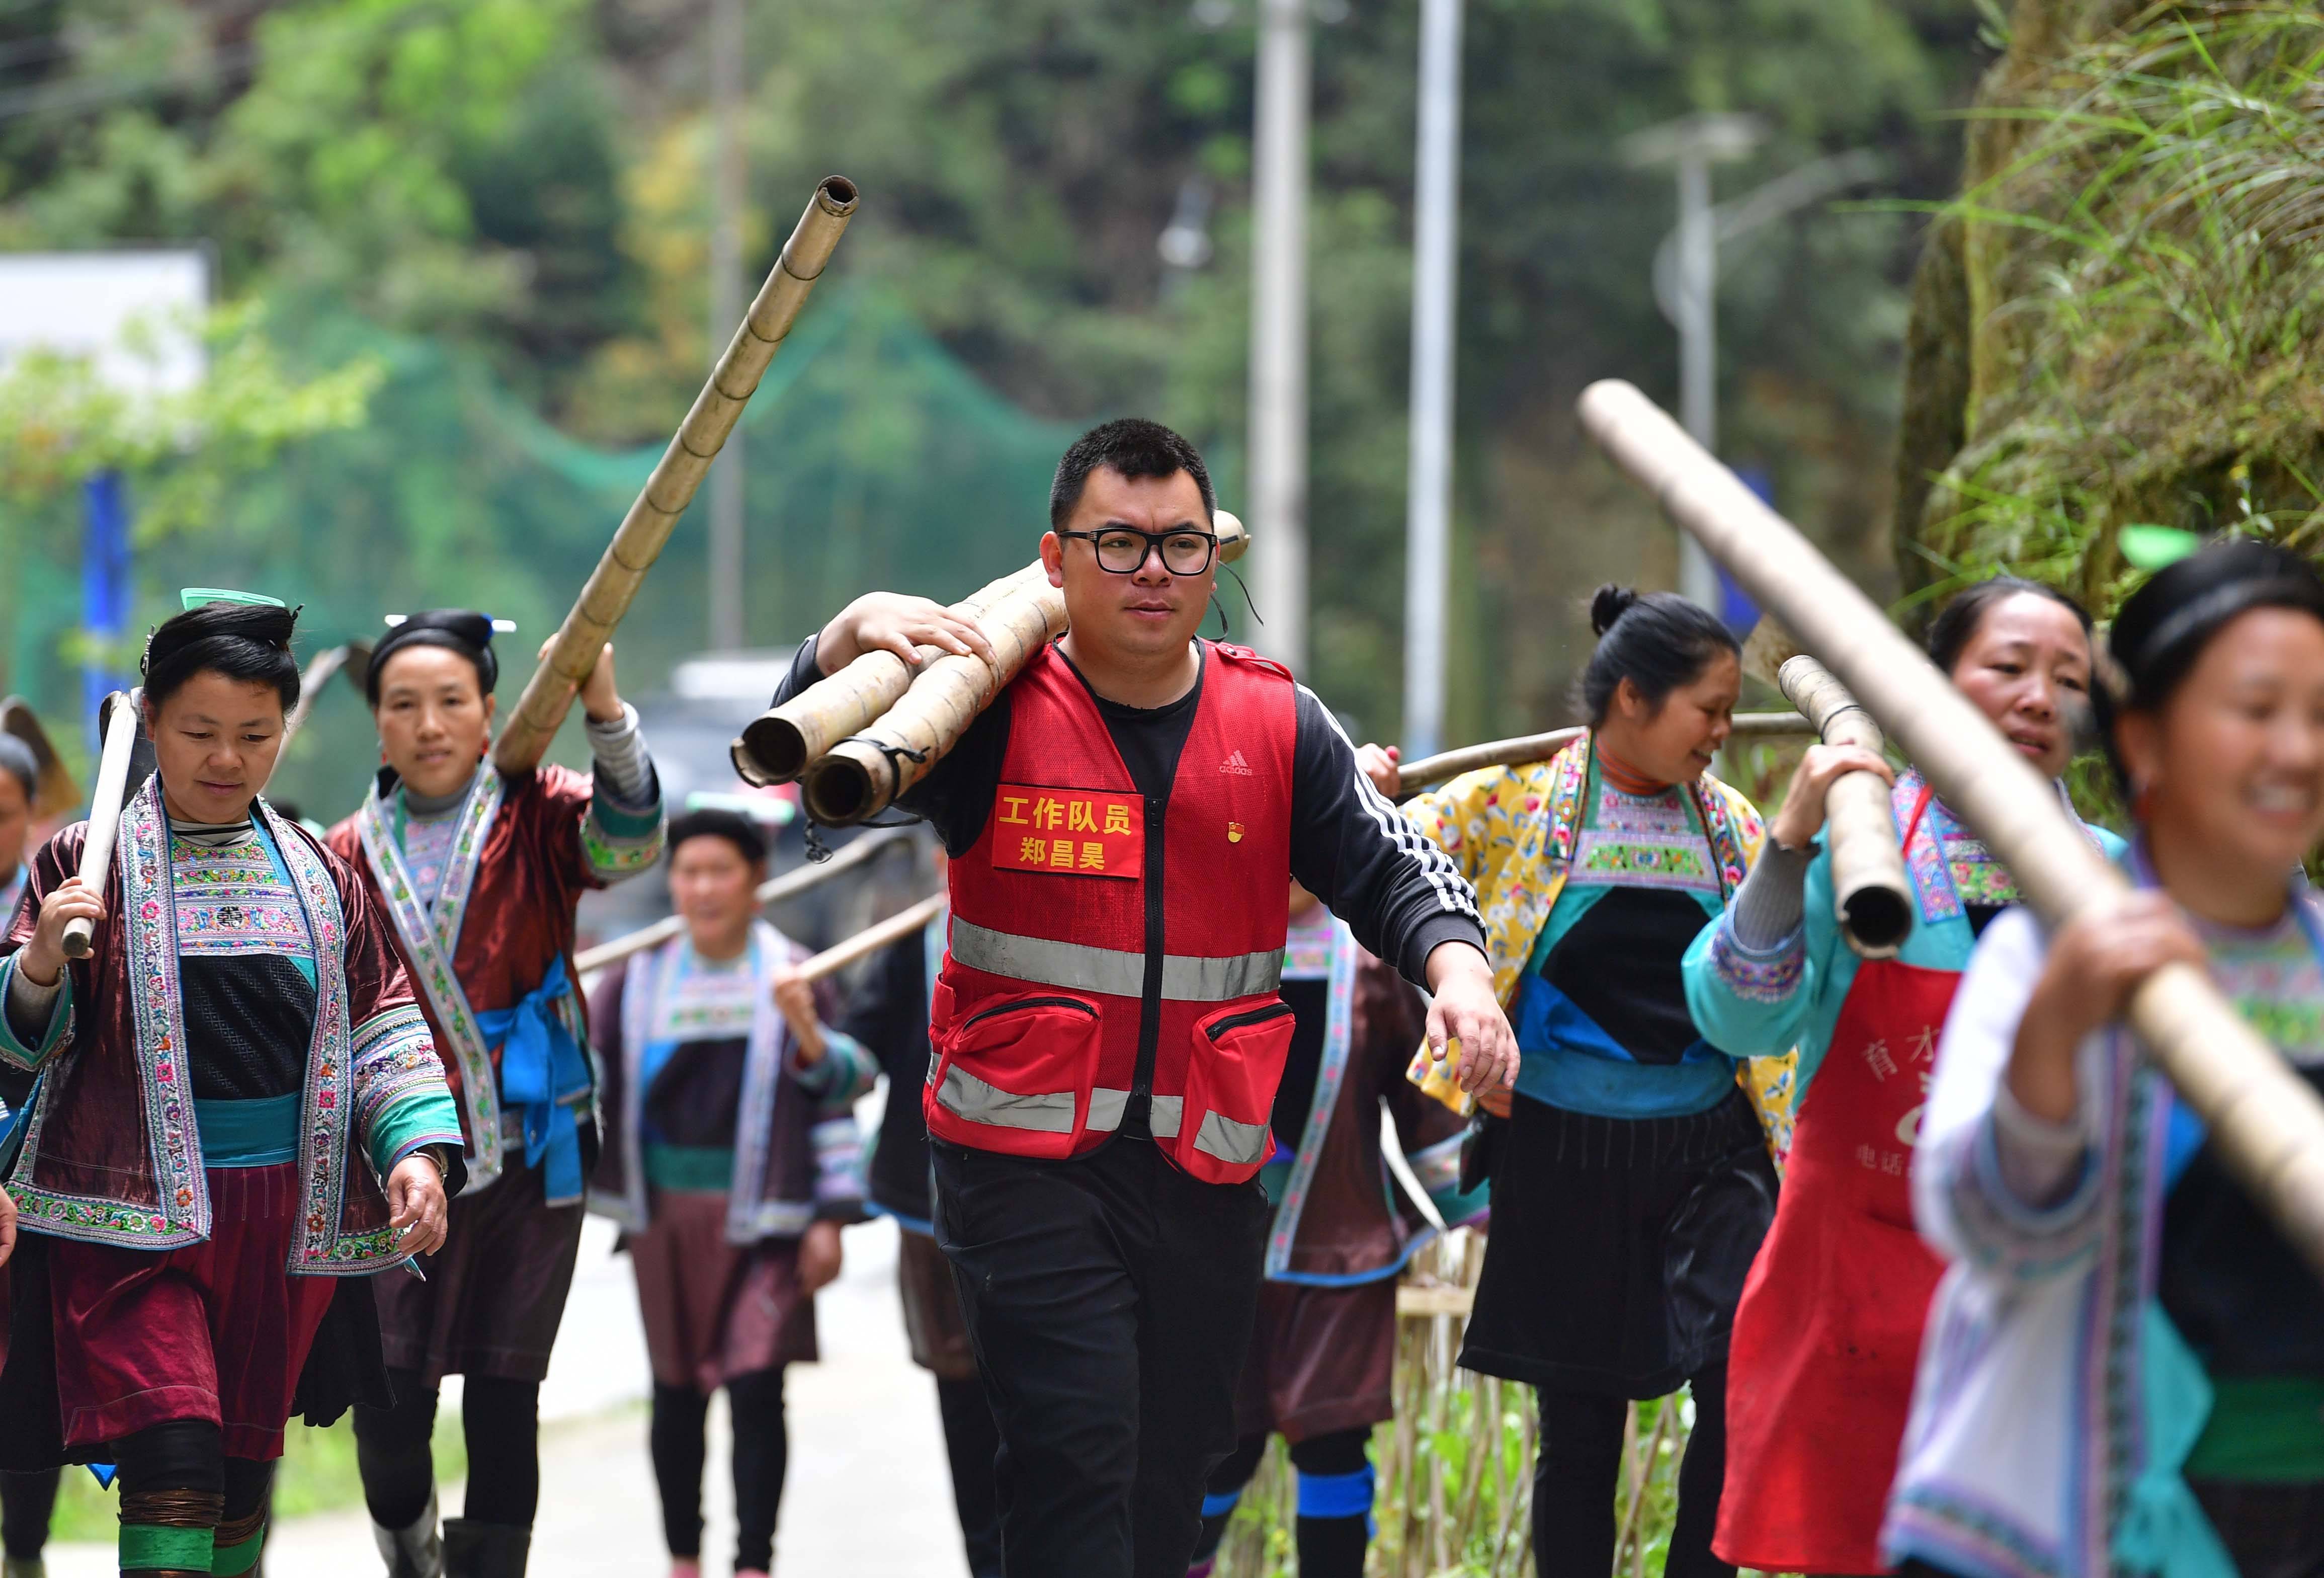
543	1072
261	1133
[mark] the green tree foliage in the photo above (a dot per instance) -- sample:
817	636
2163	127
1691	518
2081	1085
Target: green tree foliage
514	192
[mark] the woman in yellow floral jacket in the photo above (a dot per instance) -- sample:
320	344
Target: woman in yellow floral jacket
1632	1182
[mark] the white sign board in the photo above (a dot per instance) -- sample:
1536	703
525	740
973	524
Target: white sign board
136	313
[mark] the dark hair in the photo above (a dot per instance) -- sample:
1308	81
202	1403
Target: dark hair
2161	631
247	642
462	630
713	822
1953	629
1657	641
19	763
1133	447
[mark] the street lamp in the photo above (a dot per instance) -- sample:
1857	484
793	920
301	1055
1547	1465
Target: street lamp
1693	146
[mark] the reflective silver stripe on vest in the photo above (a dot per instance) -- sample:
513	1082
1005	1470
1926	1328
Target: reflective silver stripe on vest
964	1094
1106	1107
1242	1145
1113	971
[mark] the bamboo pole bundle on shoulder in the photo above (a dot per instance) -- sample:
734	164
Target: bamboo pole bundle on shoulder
645	529
783	742
862	774
2267	1123
1871	898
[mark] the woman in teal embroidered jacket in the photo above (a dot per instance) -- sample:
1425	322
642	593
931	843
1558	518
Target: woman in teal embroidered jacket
1829	1323
2119	1323
239	1109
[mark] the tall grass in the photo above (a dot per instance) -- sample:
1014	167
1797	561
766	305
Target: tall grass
2160	312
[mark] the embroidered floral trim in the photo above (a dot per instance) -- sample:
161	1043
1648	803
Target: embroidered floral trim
431	939
394	1056
1758	977
612	852
232	900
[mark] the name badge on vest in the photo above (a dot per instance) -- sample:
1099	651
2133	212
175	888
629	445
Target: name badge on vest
1081	832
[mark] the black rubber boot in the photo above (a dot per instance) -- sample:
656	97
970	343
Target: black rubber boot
484	1550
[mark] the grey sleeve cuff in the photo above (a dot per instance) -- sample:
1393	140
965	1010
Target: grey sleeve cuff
1772	902
32	1007
622	764
2041	1161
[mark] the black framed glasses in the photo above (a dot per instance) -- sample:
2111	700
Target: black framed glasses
1123	550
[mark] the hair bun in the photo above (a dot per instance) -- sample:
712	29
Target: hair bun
1607	603
261	622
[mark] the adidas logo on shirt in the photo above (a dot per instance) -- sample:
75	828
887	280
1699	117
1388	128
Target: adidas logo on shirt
1236	765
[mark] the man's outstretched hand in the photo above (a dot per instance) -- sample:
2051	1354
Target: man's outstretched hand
1465	1009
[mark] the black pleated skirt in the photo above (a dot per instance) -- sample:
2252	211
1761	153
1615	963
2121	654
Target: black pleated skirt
1618	1247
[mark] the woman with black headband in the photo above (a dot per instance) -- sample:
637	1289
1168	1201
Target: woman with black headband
2124	1367
479	875
240	1112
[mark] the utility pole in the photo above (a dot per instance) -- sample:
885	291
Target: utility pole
1278	331
729	195
1436	280
1693	146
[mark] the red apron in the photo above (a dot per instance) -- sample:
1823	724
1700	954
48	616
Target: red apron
1828	1332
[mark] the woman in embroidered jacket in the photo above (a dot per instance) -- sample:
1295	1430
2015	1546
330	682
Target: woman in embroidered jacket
1632	1181
2119	1323
1821	1366
479	876
733	1162
1322	1357
239	1108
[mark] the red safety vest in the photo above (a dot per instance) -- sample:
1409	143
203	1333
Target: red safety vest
1062	946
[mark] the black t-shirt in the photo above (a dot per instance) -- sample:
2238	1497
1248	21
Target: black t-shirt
1398	892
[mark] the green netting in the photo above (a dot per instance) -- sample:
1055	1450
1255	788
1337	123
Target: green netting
875	459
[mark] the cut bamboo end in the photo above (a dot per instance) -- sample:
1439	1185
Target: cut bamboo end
770	749
845	785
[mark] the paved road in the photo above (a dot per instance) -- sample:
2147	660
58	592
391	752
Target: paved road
868	1494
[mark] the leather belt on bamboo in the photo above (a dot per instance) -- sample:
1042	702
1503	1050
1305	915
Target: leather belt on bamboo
1113	971
1051	1112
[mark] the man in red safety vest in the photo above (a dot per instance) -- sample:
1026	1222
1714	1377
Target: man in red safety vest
1106	1038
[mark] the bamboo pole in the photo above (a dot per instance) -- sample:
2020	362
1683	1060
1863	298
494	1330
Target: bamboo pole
2268	1125
873	939
1870	895
105	813
1450	764
320	670
574	651
773	891
862	775
784	742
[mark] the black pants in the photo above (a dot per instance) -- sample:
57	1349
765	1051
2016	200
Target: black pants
761	1456
1580	1468
971	1444
501	1420
1110	1300
26	1504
